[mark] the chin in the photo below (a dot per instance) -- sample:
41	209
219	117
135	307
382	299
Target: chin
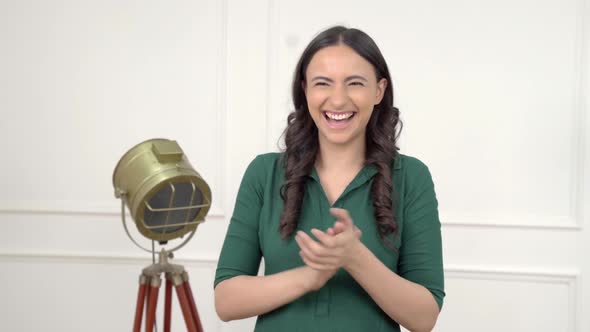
338	139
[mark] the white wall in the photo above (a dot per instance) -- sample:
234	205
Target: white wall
494	96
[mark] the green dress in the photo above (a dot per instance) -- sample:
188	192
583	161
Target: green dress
342	304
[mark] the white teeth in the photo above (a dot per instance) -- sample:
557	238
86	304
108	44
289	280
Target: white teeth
339	116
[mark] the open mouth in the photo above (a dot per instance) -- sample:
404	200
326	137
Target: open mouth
338	116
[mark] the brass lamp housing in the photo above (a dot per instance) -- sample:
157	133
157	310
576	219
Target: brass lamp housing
148	168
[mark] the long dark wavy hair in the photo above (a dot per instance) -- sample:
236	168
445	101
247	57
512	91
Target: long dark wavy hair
301	135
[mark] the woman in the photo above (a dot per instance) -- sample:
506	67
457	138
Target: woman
348	227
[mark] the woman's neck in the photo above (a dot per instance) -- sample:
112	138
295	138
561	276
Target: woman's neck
340	157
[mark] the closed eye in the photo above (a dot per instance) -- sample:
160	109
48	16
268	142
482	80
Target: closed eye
321	84
357	83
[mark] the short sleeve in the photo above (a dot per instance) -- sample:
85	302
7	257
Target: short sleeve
241	254
421	250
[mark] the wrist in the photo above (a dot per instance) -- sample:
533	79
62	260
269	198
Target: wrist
305	279
357	257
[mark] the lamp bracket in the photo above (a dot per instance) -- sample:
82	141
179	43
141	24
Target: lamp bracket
123	219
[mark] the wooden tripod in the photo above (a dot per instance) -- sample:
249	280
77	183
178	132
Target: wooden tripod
149	286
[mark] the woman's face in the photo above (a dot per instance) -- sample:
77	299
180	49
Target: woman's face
341	89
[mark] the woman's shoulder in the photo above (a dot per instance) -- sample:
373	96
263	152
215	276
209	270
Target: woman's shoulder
266	160
262	165
407	161
412	167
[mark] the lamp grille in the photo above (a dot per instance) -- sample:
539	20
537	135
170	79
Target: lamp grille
173	207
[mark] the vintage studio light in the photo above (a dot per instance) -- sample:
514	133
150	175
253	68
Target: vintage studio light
167	199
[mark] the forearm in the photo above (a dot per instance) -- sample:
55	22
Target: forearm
246	296
408	303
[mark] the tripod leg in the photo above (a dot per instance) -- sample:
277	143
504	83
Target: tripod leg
184	304
192	303
140	303
167	304
152	303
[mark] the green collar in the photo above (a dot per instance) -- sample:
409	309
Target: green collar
397	164
366	173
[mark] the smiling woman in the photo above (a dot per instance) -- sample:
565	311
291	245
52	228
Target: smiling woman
342	89
375	259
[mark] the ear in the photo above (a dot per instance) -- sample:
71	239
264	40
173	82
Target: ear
303	85
381	85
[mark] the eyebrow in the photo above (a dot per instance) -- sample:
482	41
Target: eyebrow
349	78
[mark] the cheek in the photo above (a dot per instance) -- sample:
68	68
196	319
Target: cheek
313	106
315	99
364	103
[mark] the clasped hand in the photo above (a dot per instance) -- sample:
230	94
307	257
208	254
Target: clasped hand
335	248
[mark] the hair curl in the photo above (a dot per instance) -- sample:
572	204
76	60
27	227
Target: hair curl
301	135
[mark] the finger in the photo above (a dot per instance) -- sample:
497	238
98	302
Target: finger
342	235
342	215
324	261
357	232
312	248
331	260
345	234
335	230
302	243
322	255
315	265
324	238
339	227
310	260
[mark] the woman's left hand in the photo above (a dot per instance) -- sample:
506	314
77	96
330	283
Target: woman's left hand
336	248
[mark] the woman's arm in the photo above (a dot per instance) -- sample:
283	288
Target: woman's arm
239	292
246	296
408	303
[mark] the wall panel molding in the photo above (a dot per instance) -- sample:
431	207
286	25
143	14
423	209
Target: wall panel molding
195	266
73	209
207	261
525	222
273	39
221	101
580	114
568	277
574	220
109	208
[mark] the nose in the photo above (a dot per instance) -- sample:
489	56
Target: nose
338	96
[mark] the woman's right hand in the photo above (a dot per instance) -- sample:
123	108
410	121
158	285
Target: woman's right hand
318	278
